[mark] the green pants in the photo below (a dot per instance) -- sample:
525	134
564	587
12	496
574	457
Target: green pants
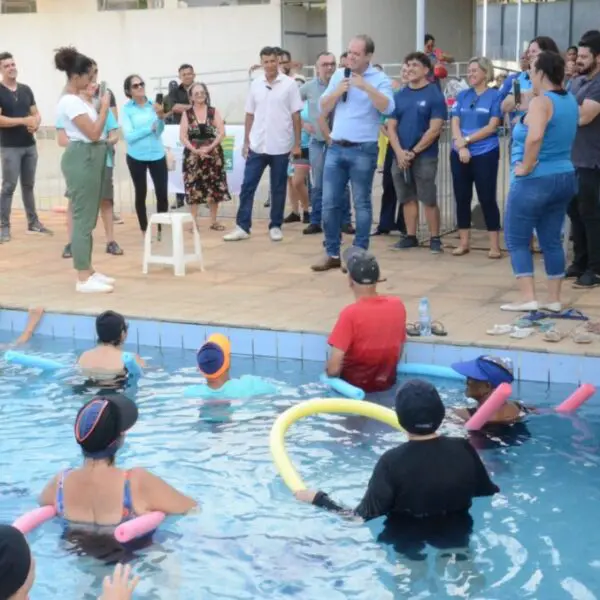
83	166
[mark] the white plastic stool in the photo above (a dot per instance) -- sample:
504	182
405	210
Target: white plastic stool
179	258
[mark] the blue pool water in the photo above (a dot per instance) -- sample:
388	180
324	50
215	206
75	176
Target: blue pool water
538	538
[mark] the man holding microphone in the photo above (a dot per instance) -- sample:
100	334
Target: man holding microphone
358	95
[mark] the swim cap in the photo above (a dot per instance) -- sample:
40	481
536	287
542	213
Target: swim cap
214	357
110	326
419	407
491	369
15	561
101	423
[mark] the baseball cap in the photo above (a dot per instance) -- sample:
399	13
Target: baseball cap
110	326
419	407
15	561
361	265
101	423
214	357
491	369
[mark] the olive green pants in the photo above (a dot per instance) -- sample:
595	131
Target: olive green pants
83	166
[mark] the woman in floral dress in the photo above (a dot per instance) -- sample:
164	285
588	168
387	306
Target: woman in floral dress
201	132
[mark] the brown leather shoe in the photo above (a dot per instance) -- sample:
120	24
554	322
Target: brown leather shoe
326	264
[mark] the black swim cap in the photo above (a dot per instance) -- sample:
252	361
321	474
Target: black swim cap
419	407
110	326
101	422
15	561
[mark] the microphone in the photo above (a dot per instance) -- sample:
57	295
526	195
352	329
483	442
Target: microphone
347	73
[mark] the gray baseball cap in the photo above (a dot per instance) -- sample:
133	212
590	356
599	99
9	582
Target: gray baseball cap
361	265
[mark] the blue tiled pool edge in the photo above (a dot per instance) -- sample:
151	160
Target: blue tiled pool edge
544	367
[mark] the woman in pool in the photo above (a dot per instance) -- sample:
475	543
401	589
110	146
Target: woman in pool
98	493
484	375
103	365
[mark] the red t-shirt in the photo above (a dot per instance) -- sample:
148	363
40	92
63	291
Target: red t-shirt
371	333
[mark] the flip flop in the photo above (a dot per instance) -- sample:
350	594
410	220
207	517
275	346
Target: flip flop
538	315
593	327
500	330
460	251
572	314
494	255
437	328
581	336
413	329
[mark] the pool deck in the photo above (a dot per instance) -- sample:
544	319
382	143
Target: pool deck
260	284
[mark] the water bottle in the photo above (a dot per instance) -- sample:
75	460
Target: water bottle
424	317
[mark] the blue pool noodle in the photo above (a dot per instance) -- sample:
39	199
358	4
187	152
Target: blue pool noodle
133	368
422	370
37	362
343	387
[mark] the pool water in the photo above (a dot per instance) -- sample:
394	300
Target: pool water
539	538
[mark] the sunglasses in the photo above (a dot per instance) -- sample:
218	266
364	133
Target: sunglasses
137	86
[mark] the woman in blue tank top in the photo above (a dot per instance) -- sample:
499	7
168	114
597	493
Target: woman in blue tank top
542	182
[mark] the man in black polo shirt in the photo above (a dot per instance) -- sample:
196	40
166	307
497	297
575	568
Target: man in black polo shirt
19	120
179	102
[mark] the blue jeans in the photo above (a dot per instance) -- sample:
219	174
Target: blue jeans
343	164
540	204
253	172
317	152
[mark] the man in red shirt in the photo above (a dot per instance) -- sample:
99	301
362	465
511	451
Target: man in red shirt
367	340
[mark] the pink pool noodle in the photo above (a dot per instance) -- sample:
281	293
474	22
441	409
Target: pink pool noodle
138	527
490	407
577	398
34	518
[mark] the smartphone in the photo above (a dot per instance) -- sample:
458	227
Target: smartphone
102	88
517	91
160	98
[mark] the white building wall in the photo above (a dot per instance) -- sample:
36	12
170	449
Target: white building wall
153	43
452	23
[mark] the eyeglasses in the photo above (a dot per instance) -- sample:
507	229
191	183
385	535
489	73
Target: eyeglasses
137	86
328	64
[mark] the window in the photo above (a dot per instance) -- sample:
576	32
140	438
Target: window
18	6
129	4
205	3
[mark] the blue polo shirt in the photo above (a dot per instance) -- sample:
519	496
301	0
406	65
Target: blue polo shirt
475	112
357	120
414	109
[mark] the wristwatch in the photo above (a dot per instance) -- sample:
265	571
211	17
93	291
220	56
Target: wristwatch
467	139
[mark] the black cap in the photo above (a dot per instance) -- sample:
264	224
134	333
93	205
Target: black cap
361	265
15	561
419	407
110	326
101	422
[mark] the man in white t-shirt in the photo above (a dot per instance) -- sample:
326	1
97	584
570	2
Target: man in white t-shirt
272	130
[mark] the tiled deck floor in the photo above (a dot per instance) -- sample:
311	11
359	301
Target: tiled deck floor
261	284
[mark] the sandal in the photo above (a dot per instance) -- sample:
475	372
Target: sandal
581	336
572	314
555	335
492	254
460	251
593	327
413	329
217	227
437	328
521	334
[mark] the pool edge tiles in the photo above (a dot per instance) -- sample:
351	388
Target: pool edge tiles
543	367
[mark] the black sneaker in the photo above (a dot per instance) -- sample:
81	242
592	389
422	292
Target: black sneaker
587	281
378	231
348	229
67	252
114	249
306	217
573	272
312	229
435	245
409	241
292	218
38	228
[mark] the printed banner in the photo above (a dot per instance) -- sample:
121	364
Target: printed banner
232	149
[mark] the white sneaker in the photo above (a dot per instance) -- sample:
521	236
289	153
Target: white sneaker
520	307
103	278
93	286
554	307
236	235
275	234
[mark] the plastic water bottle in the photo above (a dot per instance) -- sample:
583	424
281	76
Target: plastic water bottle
424	317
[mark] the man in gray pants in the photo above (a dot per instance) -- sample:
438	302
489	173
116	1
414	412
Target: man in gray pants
19	120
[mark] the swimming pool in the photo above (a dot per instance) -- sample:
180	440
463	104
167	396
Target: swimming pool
537	539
